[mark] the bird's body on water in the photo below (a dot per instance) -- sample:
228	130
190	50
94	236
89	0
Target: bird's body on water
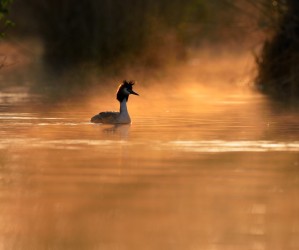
121	117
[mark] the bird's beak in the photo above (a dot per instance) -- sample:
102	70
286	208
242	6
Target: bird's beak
132	92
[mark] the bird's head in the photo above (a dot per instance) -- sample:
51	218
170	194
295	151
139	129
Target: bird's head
124	90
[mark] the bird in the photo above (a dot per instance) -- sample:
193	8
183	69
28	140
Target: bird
122	117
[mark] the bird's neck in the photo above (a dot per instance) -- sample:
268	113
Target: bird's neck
124	116
123	106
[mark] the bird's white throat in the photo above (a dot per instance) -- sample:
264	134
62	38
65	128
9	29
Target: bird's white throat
124	114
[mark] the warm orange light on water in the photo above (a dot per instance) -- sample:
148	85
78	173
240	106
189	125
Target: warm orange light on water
200	167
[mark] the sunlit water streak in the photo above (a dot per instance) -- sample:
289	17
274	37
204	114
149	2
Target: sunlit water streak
216	175
187	146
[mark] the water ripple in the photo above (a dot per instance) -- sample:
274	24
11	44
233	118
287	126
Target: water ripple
200	146
233	146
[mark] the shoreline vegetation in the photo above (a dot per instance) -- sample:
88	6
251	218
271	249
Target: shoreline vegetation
278	64
106	39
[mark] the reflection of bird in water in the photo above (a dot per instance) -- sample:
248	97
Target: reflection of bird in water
121	130
121	117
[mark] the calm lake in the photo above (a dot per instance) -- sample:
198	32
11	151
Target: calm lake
188	174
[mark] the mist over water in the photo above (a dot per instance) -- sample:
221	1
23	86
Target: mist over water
207	162
200	167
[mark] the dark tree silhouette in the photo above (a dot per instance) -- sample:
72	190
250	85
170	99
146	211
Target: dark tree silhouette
108	32
278	66
4	21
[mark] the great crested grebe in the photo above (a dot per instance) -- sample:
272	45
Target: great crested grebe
121	117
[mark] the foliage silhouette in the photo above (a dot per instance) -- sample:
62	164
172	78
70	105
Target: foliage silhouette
105	32
278	65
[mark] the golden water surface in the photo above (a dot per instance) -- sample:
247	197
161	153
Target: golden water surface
189	175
